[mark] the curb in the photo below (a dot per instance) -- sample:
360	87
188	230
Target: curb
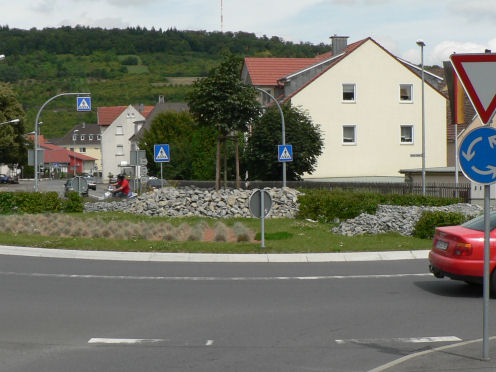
214	257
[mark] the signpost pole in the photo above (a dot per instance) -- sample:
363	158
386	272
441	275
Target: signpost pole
162	175
487	255
262	209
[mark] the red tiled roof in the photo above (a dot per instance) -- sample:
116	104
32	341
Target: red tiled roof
267	71
107	115
57	154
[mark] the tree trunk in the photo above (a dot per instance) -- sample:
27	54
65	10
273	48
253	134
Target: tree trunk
238	180
225	162
217	166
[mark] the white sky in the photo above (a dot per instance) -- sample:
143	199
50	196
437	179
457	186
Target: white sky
446	26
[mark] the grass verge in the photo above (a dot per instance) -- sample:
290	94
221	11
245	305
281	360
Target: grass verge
288	236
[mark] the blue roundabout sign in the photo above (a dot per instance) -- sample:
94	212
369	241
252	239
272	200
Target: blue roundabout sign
477	154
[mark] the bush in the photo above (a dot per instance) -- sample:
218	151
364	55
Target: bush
329	205
74	202
37	202
428	221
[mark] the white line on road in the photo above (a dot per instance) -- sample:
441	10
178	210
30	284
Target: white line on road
209	343
405	340
124	341
214	278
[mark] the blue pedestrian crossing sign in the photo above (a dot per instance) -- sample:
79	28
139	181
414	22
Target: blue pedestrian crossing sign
83	104
285	153
161	153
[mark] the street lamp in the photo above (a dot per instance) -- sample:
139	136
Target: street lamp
421	44
283	132
11	121
74	148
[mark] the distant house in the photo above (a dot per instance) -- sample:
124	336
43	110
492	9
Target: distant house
162	106
117	125
84	139
367	103
57	159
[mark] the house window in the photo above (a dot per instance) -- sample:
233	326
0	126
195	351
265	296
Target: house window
82	149
406	134
82	137
119	130
98	137
349	92
120	150
406	92
74	137
90	137
349	134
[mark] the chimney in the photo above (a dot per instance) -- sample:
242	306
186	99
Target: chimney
84	125
338	44
161	99
142	107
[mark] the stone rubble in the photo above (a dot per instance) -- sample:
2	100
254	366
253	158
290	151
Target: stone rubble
191	201
393	218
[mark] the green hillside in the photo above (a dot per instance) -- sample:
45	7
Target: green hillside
118	67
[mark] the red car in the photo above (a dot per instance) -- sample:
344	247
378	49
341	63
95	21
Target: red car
458	252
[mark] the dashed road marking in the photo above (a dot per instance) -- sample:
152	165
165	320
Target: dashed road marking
124	341
404	340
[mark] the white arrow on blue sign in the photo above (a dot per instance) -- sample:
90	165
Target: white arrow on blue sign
285	153
161	153
83	104
477	154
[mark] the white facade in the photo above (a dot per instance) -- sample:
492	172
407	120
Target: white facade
369	134
116	147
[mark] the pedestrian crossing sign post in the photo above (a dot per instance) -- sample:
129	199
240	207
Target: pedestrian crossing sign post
285	153
161	153
83	104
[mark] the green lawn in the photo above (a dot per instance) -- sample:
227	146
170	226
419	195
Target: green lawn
281	236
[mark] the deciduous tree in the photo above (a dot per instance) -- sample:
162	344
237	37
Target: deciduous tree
12	142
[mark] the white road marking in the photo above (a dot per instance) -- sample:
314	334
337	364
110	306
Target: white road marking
209	343
214	278
124	341
405	340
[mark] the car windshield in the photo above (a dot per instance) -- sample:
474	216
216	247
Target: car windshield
478	223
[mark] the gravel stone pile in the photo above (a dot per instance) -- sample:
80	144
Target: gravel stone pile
191	201
392	218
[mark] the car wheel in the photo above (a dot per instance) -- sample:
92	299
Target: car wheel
492	285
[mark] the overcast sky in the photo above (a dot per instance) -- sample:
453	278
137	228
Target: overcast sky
446	26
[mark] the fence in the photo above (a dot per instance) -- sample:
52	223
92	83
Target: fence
439	190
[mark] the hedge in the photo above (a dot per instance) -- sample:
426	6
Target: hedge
333	205
429	220
38	202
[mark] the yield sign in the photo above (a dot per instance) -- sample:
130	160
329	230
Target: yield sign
477	73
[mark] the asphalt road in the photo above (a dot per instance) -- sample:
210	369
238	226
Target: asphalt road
82	315
46	185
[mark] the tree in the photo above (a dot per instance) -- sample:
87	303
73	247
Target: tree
188	144
260	156
222	100
12	143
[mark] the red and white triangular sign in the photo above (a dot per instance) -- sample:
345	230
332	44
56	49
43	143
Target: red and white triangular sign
477	73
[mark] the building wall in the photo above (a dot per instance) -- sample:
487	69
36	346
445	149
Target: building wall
111	140
377	114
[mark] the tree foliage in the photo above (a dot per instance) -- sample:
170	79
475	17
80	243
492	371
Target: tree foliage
221	99
188	147
12	143
260	156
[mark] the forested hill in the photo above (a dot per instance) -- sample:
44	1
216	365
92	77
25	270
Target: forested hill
119	66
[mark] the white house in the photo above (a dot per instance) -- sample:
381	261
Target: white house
117	126
368	104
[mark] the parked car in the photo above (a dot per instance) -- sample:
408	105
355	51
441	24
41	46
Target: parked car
4	178
458	252
91	181
155	183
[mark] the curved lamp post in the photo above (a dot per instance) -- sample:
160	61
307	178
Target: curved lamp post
36	123
13	121
283	132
